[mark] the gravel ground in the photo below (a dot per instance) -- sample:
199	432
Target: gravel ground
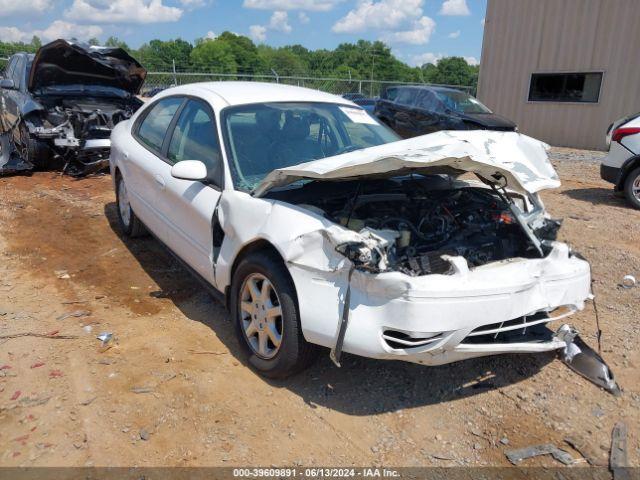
173	390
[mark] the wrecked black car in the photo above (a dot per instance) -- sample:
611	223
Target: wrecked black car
417	110
58	107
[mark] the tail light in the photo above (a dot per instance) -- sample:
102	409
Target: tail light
620	133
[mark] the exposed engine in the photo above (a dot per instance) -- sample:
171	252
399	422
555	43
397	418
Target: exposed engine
78	131
429	219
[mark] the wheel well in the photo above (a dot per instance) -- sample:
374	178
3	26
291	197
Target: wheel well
628	167
260	245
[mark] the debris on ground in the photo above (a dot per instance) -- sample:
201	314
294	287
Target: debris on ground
74	314
585	448
144	435
62	274
582	359
618	458
628	281
105	338
53	335
516	456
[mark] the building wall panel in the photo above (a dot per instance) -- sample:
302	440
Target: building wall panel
527	36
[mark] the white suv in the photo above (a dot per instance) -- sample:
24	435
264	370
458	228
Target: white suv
622	165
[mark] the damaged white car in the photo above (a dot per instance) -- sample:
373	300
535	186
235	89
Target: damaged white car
318	227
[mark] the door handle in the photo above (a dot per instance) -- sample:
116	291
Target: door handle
160	181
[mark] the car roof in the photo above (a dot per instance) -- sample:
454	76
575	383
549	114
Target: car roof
429	87
242	93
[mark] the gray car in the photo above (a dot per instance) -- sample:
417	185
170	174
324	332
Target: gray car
58	107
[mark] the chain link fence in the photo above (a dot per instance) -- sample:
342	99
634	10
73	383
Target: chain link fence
337	86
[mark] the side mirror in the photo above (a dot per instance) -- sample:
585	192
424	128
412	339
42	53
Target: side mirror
7	83
193	170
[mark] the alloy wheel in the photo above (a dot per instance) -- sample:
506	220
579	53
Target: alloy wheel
123	203
261	315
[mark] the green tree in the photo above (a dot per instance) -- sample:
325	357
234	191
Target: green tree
159	55
214	56
244	51
451	71
116	43
282	60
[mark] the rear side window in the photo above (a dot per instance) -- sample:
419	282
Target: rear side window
153	128
428	101
391	93
17	73
8	71
406	96
195	138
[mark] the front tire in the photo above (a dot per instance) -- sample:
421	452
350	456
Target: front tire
632	188
32	150
266	316
130	225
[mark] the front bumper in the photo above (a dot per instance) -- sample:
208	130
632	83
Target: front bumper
438	314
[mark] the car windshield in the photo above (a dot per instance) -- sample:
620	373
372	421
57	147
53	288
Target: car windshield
461	102
266	136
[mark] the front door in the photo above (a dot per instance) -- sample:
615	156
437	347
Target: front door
187	206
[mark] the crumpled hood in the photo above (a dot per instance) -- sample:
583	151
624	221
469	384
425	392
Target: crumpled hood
522	160
63	63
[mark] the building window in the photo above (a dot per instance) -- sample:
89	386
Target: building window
565	87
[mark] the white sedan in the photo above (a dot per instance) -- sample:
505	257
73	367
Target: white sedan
317	226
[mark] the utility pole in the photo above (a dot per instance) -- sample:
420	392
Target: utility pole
175	77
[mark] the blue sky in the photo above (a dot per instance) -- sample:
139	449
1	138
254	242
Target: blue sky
417	30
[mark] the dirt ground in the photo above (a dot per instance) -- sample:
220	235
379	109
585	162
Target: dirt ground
174	391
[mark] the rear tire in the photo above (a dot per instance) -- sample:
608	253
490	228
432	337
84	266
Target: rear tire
273	343
632	188
130	225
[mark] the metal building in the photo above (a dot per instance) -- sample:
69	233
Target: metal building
563	70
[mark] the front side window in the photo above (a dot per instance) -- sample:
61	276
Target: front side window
263	137
154	127
565	87
195	138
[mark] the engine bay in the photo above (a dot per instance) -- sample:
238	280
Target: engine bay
78	129
428	218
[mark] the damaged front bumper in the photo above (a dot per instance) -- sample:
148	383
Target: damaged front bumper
439	319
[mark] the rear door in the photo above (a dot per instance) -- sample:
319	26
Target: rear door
144	167
426	118
187	206
403	115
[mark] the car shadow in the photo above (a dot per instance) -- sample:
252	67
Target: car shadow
597	196
388	385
